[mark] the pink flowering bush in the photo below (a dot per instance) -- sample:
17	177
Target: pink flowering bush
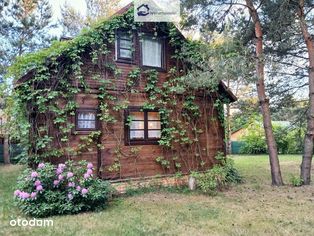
62	189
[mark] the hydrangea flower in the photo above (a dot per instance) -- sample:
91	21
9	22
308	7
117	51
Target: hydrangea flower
90	165
70	175
71	184
84	191
24	195
78	188
41	165
34	174
70	196
86	176
37	182
39	188
61	166
59	171
17	193
89	172
60	177
56	182
33	195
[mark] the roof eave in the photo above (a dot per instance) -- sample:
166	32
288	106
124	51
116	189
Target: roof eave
224	89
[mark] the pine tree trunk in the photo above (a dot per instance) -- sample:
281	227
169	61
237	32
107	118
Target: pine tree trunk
263	100
308	139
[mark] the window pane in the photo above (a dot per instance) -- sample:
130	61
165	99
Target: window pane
137	125
86	116
81	116
151	52
125	36
137	134
153	115
154	125
137	115
86	124
86	120
91	116
125	53
154	134
125	43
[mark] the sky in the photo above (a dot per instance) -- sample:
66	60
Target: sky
77	4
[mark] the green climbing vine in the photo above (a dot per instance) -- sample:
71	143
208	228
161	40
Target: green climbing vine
58	75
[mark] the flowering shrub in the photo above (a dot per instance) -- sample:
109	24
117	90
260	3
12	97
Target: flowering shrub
65	189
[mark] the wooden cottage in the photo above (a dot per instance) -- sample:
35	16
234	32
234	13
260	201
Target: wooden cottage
112	96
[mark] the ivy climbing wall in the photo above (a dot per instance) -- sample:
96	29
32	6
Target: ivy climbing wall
83	73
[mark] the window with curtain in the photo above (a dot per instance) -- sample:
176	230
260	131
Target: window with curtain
86	119
124	45
142	127
152	52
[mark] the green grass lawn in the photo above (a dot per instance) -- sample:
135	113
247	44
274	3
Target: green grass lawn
252	208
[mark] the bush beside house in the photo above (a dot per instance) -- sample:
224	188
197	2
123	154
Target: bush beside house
220	176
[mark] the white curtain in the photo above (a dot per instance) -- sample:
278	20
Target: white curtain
87	120
151	52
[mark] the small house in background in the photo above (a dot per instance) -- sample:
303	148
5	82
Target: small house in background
238	134
236	142
237	137
111	97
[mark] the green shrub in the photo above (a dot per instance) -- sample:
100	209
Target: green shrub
296	181
232	174
289	139
218	177
254	140
67	189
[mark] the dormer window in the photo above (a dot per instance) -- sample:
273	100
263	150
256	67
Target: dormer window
124	47
152	52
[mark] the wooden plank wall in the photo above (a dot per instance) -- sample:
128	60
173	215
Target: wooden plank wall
144	164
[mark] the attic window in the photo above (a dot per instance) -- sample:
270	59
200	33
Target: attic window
124	47
152	52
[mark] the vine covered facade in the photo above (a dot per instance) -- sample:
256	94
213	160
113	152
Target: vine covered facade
116	96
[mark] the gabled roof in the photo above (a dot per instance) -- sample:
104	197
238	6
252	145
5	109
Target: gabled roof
222	88
124	9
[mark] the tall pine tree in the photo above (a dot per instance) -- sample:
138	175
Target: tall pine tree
25	26
293	43
73	21
305	16
246	19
